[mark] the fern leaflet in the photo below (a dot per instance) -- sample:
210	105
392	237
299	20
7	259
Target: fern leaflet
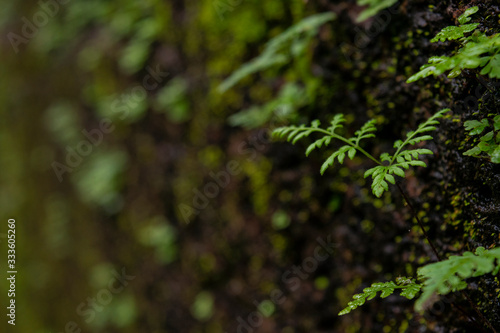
409	289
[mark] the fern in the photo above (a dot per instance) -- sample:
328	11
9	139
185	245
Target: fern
295	133
456	32
382	174
477	50
449	275
489	143
403	159
464	18
291	97
409	289
374	6
278	50
261	63
438	278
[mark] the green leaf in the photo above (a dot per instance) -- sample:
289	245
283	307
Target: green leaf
398	143
258	64
341	153
493	67
365	131
486	147
317	144
473	152
277	50
448	275
328	163
495	155
417	163
385	157
488	136
496	121
369	172
476	127
409	290
454	32
454	72
390	179
477	50
374	6
387	292
336	122
351	153
420	139
464	18
300	136
397	171
424	72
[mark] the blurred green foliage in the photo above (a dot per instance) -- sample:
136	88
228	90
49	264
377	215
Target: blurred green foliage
87	64
168	136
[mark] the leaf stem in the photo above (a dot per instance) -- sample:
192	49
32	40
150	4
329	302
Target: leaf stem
402	145
420	224
338	137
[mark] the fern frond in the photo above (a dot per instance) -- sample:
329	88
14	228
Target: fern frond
477	50
295	133
336	122
374	6
476	127
409	289
365	131
290	98
489	143
464	18
256	65
402	159
311	23
449	275
438	278
275	52
454	32
382	174
413	137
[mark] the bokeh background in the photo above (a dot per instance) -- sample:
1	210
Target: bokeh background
144	74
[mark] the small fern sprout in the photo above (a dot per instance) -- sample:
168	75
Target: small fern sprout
387	165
